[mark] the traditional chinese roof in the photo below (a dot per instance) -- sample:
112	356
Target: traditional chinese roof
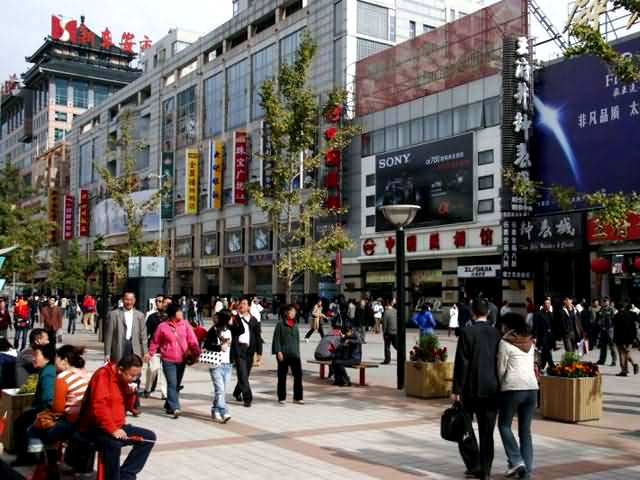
89	71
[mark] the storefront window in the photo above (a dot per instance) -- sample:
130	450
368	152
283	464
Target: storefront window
260	239
234	244
184	247
210	244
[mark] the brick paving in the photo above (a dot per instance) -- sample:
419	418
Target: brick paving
373	432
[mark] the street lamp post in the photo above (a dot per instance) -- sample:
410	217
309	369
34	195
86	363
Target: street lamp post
400	216
104	256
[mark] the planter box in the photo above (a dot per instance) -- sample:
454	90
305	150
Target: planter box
571	399
428	380
11	407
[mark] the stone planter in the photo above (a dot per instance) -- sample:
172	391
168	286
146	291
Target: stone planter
12	405
571	399
428	380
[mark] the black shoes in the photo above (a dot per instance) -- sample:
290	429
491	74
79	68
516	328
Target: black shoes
386	362
621	374
635	368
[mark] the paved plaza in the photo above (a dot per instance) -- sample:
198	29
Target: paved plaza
372	432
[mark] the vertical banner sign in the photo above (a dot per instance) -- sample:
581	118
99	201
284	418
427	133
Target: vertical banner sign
84	213
339	267
52	212
191	187
215	173
241	168
167	175
68	216
267	151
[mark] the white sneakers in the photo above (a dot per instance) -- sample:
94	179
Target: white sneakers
221	419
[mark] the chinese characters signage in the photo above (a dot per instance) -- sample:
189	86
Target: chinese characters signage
552	233
68	216
167	177
479	271
84	213
52	212
216	152
241	168
191	178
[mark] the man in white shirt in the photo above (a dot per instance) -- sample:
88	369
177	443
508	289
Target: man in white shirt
125	331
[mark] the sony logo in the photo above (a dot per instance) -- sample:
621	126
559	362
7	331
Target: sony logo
394	161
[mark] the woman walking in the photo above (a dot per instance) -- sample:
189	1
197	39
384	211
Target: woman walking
316	318
219	340
176	342
286	348
519	388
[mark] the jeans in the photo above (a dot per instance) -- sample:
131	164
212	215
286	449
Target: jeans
111	448
21	338
62	430
522	402
220	376
173	373
296	370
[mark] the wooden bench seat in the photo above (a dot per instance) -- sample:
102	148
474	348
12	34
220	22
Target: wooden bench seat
362	366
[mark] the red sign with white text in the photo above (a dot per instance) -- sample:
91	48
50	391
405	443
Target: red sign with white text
84	213
241	168
610	234
68	216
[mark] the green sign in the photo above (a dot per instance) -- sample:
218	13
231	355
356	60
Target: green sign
167	174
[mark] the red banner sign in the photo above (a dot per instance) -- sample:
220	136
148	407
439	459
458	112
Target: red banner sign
84	213
241	168
68	216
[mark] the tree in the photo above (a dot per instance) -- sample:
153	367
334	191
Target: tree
120	188
291	202
21	223
68	269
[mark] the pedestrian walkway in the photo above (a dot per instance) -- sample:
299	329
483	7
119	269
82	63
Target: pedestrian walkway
373	432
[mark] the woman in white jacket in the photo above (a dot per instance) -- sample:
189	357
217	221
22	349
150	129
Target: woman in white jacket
519	386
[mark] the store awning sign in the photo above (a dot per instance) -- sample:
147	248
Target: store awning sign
479	271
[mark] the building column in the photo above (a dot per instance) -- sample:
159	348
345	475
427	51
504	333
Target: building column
196	231
450	282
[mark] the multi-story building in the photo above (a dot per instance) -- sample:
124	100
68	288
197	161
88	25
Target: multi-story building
195	97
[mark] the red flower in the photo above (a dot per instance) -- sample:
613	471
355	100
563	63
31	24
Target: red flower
330	133
333	114
333	157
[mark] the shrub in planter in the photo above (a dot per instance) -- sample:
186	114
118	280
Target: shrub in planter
428	374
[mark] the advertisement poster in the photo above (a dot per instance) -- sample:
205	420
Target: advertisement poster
553	233
107	218
191	179
68	216
437	176
215	162
52	212
240	168
167	174
584	126
84	213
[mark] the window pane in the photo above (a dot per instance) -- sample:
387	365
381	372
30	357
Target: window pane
237	94
370	180
485	182
412	29
371	220
369	47
264	68
474	116
168	117
378	141
366	144
492	112
430	128
61	91
445	124
459	119
213	104
101	94
404	134
339	71
289	47
142	158
485	157
485	206
81	94
339	24
391	138
371	201
186	117
373	20
417	134
85	163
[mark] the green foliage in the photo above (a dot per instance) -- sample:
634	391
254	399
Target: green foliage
613	209
20	224
428	350
292	112
521	186
29	386
68	271
569	359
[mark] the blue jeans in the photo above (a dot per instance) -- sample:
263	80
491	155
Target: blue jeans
522	402
21	333
111	449
62	430
220	376
173	372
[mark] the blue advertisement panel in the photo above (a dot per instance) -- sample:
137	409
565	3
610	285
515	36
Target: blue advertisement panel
587	126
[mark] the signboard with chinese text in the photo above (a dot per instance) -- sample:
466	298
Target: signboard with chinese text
438	176
134	267
479	271
68	216
153	267
216	155
240	168
191	179
552	233
84	213
167	175
52	213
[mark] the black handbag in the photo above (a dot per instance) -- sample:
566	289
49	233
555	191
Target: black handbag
80	454
455	422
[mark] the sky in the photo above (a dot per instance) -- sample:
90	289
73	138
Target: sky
25	23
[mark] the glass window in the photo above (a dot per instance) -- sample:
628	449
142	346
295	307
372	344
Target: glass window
209	244
289	47
370	180
85	163
371	220
378	141
339	71
81	94
417	130
369	47
61	116
62	87
58	134
445	124
459	119
142	158
492	114
237	94
263	68
391	138
474	117
370	200
373	20
485	206
485	157
101	94
366	145
430	128
485	182
168	117
186	117
339	24
404	134
213	104
412	29
427	28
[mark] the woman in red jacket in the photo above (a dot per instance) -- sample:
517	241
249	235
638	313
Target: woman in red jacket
102	418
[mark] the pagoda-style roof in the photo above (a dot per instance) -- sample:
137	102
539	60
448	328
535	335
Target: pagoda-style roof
88	69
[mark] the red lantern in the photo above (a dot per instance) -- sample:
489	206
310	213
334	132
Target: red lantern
330	134
600	265
333	157
331	180
636	263
333	115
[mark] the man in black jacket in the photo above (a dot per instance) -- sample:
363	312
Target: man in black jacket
624	333
543	334
243	347
475	383
571	325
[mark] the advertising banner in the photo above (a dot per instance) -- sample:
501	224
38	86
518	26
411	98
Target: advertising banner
68	216
167	174
84	213
107	218
216	150
191	179
553	233
437	176
584	126
479	271
240	168
52	213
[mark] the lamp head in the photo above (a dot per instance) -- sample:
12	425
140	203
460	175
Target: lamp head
400	215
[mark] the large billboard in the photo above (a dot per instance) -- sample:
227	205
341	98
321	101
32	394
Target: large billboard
585	126
437	176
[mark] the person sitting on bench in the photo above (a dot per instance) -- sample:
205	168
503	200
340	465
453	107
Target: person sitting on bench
111	393
348	353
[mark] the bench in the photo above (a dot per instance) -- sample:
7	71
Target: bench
362	366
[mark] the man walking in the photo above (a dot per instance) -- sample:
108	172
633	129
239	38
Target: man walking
605	324
52	320
475	384
543	334
624	333
243	348
571	325
88	311
125	331
389	331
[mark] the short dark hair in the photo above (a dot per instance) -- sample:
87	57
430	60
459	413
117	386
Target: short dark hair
222	318
516	322
130	361
480	307
48	351
172	310
35	334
